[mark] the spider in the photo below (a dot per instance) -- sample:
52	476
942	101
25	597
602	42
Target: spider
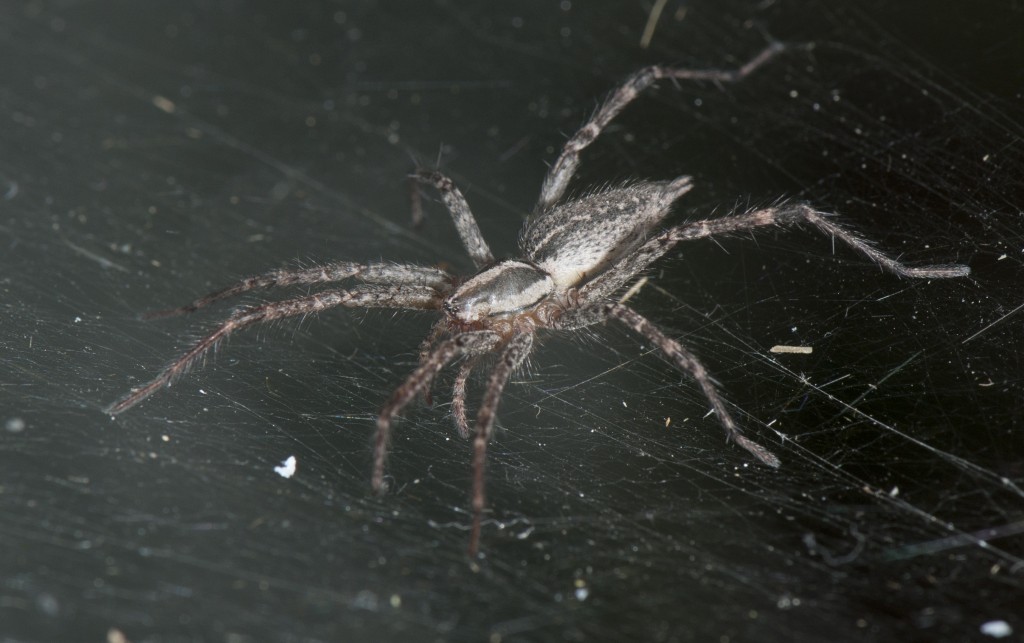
575	255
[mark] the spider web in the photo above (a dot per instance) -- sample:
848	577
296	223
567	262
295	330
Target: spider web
155	155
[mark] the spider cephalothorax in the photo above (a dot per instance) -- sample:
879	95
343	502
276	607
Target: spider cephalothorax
575	256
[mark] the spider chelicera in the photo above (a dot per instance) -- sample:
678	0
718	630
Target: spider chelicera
575	256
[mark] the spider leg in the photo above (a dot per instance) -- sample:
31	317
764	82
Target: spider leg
516	351
426	346
789	214
458	207
559	175
371	273
459	398
412	297
472	343
683	359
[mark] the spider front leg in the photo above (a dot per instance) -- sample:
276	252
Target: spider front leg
516	351
562	171
459	398
469	343
410	297
680	356
372	273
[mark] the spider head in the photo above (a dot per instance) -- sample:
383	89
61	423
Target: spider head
505	288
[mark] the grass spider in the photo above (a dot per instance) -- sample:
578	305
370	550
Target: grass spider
575	255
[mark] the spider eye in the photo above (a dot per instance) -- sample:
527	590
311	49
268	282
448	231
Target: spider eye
451	307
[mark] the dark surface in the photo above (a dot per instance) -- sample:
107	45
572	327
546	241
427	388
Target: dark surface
152	154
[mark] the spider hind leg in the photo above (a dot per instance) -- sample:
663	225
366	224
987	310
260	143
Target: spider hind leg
564	168
682	358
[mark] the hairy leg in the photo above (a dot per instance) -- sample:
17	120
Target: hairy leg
465	223
682	358
372	273
439	330
471	343
783	215
459	398
561	173
412	297
515	352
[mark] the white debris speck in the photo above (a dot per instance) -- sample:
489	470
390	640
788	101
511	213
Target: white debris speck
164	104
793	350
15	425
115	635
287	468
78	320
582	591
996	629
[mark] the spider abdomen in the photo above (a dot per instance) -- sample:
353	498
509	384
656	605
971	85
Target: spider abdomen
578	239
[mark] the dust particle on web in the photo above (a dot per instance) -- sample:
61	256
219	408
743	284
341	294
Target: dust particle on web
287	468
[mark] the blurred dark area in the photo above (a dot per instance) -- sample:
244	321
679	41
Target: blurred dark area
155	151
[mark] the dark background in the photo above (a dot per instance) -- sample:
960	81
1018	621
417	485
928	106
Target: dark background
153	151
